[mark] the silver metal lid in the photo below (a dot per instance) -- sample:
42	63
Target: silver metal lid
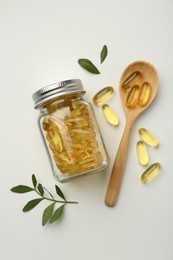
56	90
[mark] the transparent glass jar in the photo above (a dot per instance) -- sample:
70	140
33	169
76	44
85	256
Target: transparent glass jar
70	131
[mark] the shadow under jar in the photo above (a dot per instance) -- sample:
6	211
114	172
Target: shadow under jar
70	131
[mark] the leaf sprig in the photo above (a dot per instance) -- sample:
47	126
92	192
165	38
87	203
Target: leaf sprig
49	214
89	66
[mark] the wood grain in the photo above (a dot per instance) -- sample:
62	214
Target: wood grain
149	74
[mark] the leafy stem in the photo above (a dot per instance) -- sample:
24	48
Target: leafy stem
49	214
54	200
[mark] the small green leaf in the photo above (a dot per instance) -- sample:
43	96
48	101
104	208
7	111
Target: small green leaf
57	214
21	189
34	181
31	204
40	189
49	193
103	53
47	213
59	192
88	65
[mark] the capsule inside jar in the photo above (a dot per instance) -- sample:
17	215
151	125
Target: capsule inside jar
70	130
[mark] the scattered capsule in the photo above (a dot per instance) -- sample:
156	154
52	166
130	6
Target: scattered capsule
102	95
133	96
144	95
132	80
150	173
148	137
110	115
142	153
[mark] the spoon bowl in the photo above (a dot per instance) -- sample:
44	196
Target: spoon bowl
133	108
149	74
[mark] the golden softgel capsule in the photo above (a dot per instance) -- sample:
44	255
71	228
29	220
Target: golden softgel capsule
70	130
133	79
110	115
133	96
148	137
144	95
142	153
150	173
103	95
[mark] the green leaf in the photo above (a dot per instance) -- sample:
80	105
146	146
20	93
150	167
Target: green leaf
49	193
21	189
103	53
47	213
57	214
40	189
59	192
31	204
88	65
34	181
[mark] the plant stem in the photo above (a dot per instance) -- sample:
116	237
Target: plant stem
59	201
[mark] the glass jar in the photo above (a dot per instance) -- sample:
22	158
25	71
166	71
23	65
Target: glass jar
70	131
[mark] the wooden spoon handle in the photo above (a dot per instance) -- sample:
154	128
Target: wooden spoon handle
118	167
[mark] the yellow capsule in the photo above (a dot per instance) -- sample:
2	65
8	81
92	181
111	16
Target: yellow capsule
76	144
93	145
110	115
133	96
75	171
103	95
66	168
79	110
77	122
150	173
62	159
144	95
46	124
56	148
56	122
148	137
142	153
133	79
91	162
80	134
54	136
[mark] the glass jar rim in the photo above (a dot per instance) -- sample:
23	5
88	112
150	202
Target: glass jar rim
57	89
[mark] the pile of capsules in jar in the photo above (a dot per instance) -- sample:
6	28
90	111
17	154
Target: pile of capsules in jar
137	94
70	133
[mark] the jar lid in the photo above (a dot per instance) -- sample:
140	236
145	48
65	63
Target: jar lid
57	89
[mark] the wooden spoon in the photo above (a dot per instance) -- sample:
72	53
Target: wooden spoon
149	74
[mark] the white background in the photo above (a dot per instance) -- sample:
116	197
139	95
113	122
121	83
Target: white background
40	44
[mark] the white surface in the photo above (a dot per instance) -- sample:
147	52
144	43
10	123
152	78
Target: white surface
40	44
